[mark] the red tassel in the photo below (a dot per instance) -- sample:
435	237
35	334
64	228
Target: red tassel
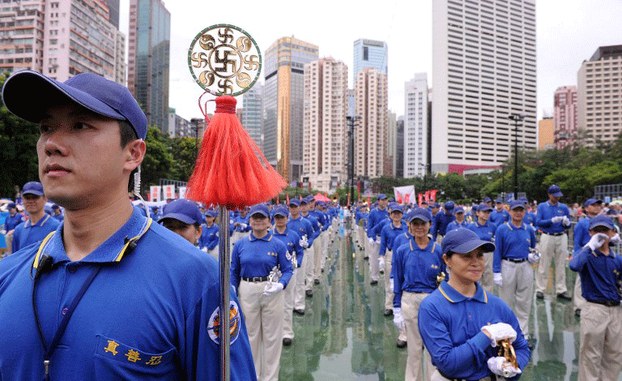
230	169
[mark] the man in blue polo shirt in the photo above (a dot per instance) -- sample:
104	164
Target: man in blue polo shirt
39	223
553	218
111	295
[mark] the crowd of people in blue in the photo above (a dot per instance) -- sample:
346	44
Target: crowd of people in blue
88	289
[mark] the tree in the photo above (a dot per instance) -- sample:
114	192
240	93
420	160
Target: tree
158	162
184	155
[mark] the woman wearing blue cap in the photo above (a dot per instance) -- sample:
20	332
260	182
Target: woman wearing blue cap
600	354
210	236
260	271
462	325
184	218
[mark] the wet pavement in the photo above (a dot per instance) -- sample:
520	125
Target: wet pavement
344	336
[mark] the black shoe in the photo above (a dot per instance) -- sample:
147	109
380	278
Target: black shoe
401	344
366	257
531	343
564	296
299	312
373	282
539	295
381	271
287	341
316	281
388	312
309	293
577	312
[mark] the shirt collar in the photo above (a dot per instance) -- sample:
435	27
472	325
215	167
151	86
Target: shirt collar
41	221
111	250
267	237
514	227
454	296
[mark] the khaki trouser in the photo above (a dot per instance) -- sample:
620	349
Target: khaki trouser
372	251
214	252
416	352
235	237
8	238
288	307
578	300
299	290
600	353
264	323
517	290
552	248
437	377
318	247
388	288
308	264
487	276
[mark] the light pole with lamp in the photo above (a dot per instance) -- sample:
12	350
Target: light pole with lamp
516	118
351	122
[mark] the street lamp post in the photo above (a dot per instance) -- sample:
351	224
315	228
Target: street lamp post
516	118
351	121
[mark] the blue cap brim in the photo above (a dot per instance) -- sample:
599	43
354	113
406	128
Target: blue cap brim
469	246
557	194
33	192
180	217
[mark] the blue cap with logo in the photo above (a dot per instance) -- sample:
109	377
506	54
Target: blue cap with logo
517	204
484	207
11	205
601	220
463	241
294	202
381	196
458	210
182	210
211	213
33	187
91	91
487	199
280	210
449	205
420	214
260	209
555	191
591	201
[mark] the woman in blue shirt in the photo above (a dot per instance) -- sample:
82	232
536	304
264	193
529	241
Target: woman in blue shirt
462	325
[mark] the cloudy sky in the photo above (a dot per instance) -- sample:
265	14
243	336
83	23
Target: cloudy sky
568	32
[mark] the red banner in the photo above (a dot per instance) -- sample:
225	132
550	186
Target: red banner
433	194
420	196
287	199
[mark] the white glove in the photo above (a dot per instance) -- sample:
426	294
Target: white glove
398	319
371	240
565	221
500	366
596	241
615	239
304	243
392	284
497	279
557	219
534	256
272	289
378	240
499	331
381	262
243	226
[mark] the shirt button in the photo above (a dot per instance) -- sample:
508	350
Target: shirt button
72	269
64	311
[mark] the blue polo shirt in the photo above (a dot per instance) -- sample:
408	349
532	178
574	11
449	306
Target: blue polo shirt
376	216
546	211
303	227
26	234
11	222
388	234
485	232
149	314
315	224
581	234
209	237
291	239
512	242
256	257
499	217
453	225
451	328
415	269
441	221
600	274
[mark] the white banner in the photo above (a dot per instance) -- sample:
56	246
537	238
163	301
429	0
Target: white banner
405	195
182	192
154	193
169	192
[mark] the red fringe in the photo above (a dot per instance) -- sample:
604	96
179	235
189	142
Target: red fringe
230	169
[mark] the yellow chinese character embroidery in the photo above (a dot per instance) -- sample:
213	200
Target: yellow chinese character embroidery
133	355
154	360
112	347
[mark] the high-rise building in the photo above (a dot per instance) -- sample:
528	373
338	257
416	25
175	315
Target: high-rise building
370	54
252	113
546	133
416	126
484	60
114	12
179	127
599	95
284	103
371	126
399	148
565	116
61	39
325	131
149	59
390	156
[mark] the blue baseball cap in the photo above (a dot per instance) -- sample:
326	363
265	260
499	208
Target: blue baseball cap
91	91
591	201
463	241
396	208
280	211
484	207
517	204
487	199
449	205
33	187
211	213
555	191
420	214
183	210
601	220
435	205
11	205
260	209
294	202
381	196
459	210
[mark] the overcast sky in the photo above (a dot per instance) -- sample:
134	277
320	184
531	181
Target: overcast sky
568	32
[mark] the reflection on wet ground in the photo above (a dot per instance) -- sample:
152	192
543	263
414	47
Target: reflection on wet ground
344	336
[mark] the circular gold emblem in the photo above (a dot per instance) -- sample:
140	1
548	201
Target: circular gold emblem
224	60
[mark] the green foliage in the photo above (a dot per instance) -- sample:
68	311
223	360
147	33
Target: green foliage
184	155
158	162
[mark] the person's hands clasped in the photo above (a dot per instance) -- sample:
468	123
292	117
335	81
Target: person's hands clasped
499	331
272	289
501	367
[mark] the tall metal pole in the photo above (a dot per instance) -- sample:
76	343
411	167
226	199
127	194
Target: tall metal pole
516	118
351	120
223	313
